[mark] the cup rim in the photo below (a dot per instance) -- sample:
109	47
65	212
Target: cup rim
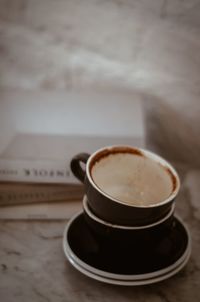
124	227
137	151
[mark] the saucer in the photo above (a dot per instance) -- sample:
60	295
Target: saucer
115	265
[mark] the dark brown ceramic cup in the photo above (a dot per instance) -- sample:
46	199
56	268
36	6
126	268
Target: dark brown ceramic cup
120	234
126	185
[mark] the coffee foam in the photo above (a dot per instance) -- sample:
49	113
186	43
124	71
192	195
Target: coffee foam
132	179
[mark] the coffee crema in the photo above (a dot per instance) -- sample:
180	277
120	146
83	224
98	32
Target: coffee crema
132	179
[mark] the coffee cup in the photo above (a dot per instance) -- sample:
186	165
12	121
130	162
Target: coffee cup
127	186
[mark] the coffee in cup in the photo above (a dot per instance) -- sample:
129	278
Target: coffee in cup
132	179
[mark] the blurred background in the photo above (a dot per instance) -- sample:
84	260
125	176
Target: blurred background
148	47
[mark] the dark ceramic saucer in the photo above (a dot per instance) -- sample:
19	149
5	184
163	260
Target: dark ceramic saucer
125	265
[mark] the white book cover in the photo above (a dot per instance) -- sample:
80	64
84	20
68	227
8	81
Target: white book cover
42	131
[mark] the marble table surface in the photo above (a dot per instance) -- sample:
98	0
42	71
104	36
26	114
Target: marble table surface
33	266
148	46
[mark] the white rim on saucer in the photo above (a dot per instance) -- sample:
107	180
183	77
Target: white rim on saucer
128	282
84	267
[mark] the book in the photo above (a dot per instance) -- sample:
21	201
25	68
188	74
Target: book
12	194
42	131
39	201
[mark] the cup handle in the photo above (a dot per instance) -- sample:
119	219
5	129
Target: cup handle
76	168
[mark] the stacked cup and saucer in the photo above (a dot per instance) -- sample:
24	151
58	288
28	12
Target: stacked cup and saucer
127	233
